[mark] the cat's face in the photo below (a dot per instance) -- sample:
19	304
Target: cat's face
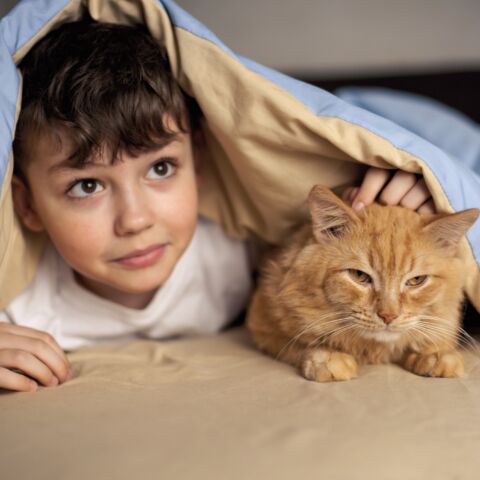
387	274
392	271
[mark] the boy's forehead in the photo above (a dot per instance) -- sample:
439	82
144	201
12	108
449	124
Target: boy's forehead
53	150
49	146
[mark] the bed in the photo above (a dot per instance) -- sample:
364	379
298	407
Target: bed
214	407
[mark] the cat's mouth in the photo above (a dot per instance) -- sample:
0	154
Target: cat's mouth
382	334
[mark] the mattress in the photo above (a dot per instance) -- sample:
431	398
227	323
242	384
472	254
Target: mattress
216	408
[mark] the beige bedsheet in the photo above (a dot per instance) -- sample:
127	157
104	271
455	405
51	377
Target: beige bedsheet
215	408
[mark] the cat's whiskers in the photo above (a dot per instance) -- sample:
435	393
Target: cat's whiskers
318	341
357	334
426	334
445	330
330	321
460	335
325	335
340	330
441	324
468	340
410	335
328	334
291	342
441	321
309	327
444	334
333	327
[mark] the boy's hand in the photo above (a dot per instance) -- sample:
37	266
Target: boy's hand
26	351
404	189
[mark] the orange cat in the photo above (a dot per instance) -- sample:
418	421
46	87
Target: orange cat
380	285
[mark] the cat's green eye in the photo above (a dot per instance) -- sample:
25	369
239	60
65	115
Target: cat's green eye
416	281
359	276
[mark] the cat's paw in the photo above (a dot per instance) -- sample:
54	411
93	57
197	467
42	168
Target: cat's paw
325	366
440	364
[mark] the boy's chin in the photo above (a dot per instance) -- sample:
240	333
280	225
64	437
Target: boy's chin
138	290
141	287
118	291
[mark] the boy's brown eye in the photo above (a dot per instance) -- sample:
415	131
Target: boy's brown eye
88	186
360	276
83	188
163	169
416	281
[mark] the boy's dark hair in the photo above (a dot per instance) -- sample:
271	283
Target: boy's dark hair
108	84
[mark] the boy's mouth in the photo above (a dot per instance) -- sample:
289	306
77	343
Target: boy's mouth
142	258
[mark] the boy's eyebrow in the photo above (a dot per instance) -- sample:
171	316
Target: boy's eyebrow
66	164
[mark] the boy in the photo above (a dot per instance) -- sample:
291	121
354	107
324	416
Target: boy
107	158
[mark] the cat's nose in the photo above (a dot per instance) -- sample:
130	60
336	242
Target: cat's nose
388	317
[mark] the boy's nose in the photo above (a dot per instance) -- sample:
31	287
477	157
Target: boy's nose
133	217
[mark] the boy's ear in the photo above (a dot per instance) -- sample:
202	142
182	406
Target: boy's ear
23	205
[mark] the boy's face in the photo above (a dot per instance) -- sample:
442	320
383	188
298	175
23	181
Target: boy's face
104	212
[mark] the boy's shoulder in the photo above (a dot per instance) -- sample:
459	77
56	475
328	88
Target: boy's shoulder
38	296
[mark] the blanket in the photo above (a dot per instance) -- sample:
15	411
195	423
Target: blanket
270	137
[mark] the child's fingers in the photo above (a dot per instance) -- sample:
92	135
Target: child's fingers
33	333
28	364
403	189
373	182
15	381
353	194
416	196
346	193
427	207
349	194
400	184
37	348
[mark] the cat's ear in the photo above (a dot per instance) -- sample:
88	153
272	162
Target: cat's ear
330	215
447	230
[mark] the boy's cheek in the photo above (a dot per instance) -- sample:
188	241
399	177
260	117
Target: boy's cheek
76	237
77	244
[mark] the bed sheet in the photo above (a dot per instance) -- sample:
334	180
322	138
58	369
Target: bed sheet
214	407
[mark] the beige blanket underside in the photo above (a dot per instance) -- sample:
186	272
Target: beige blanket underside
215	408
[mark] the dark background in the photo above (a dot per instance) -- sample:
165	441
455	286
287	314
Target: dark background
457	89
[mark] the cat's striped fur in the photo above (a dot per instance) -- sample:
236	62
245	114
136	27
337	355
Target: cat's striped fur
380	285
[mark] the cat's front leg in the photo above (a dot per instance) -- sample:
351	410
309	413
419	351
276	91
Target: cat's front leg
437	364
323	365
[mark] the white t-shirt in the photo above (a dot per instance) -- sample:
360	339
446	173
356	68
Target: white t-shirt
207	289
